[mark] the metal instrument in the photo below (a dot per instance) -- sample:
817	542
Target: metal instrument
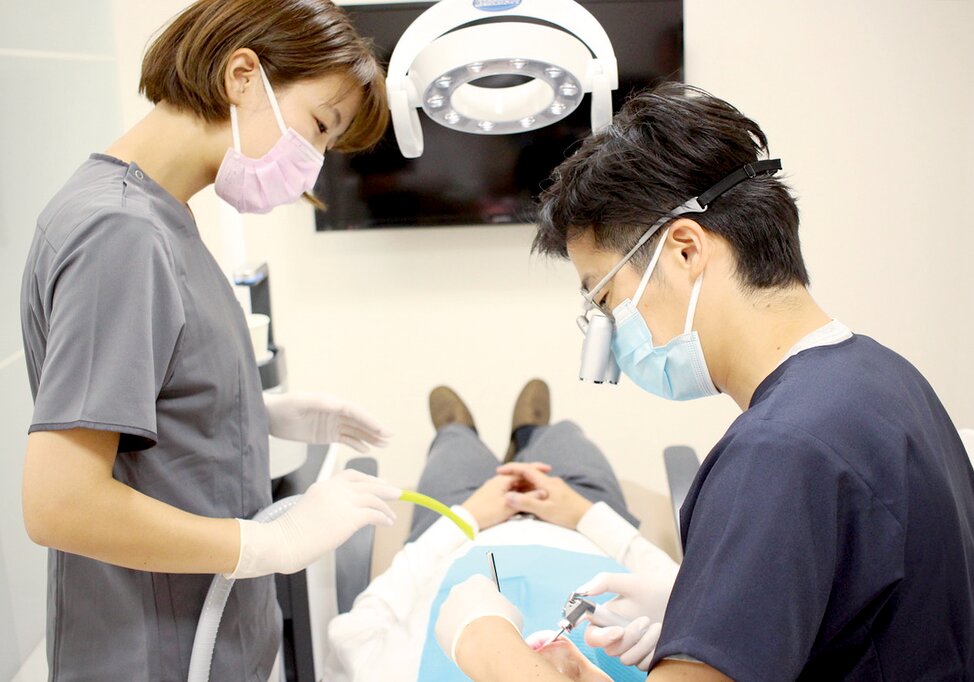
493	570
572	613
577	609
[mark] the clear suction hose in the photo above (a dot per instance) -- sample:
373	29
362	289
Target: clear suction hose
216	597
216	600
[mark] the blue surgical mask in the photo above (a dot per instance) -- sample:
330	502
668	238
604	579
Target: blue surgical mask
675	371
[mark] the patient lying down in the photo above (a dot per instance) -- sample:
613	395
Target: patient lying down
552	514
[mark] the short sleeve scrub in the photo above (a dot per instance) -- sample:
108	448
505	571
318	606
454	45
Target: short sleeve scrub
130	326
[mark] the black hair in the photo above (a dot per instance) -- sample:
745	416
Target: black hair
667	145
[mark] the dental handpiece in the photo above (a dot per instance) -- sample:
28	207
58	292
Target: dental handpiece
577	609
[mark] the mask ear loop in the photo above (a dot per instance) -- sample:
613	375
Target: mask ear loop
273	100
235	127
234	123
649	269
692	309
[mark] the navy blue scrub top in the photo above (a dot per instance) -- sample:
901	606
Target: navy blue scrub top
130	326
829	535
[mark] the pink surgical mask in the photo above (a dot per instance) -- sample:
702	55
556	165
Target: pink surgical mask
280	176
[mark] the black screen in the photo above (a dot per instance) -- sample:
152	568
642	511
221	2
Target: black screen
465	179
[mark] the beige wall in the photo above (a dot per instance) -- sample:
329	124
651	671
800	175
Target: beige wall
864	103
870	106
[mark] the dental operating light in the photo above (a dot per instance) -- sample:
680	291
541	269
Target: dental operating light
443	55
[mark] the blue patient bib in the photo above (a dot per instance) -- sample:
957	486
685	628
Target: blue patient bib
538	581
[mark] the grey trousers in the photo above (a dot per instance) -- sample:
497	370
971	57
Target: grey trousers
459	463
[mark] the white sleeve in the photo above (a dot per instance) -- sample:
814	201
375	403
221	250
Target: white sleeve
621	541
361	636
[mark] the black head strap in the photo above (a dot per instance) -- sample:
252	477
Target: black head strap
696	205
751	170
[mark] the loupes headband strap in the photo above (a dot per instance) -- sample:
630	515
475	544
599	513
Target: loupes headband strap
697	204
751	170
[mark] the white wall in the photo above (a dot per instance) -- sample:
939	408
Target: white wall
58	102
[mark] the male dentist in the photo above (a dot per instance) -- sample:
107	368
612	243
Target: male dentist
830	533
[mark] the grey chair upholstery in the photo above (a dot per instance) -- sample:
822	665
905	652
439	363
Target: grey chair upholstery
353	559
353	563
681	468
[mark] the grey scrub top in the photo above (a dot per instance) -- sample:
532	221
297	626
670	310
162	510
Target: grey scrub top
130	326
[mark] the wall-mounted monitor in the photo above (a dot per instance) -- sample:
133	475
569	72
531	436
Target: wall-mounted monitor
465	179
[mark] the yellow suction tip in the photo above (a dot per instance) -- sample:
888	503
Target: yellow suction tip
438	507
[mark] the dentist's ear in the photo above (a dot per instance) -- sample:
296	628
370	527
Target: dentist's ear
691	246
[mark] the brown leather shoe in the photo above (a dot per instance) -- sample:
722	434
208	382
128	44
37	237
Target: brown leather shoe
533	407
446	407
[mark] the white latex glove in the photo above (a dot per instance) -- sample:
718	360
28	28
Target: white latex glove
325	517
641	601
320	418
633	644
474	598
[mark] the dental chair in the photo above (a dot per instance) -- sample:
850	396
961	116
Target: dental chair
309	599
681	468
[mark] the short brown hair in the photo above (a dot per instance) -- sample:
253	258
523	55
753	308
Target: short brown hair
665	146
294	39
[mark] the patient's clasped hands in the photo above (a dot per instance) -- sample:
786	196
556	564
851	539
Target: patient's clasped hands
547	497
526	487
488	504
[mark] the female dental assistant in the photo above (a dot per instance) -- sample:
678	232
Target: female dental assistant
148	443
